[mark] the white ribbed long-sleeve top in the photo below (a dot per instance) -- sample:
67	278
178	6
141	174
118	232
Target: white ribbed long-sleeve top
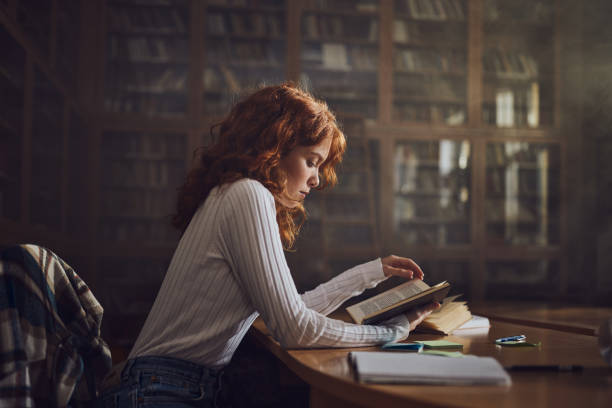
229	267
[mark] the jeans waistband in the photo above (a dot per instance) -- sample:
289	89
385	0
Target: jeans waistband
188	369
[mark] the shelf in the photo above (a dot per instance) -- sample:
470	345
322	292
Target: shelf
340	13
329	220
147	33
516	26
461	74
422	193
246	37
152	92
429	46
434	221
147	3
243	9
340	40
513	78
430	99
135	157
247	64
135	217
153	62
409	18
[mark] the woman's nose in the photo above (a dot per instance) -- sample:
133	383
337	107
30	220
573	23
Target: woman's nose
314	180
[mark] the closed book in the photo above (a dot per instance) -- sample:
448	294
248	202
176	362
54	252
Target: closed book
416	368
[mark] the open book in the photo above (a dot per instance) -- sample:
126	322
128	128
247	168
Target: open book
397	300
452	315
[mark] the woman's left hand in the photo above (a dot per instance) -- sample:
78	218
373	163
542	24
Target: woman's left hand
400	266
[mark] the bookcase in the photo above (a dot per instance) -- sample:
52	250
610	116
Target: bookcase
450	107
37	73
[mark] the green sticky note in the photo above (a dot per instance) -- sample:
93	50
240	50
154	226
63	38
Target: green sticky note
518	344
443	353
440	344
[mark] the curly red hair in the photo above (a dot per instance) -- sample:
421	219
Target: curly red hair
250	143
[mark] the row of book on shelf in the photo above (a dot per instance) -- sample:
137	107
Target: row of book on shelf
512	183
145	104
408	60
510	63
137	202
415	233
129	173
154	79
245	52
337	56
149	49
255	23
541	11
433	112
161	20
521	152
512	106
144	145
358	28
439	10
159	230
225	80
515	210
435	88
447	207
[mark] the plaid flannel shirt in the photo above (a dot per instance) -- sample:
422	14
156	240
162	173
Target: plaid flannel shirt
51	352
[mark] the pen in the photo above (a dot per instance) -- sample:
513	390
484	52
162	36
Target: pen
520	337
567	367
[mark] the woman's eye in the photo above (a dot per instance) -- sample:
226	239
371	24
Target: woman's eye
310	163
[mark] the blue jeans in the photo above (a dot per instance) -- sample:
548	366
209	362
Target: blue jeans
163	382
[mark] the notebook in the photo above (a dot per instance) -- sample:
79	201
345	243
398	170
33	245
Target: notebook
410	368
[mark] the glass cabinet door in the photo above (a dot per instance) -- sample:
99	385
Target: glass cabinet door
518	63
245	44
339	55
522	194
147	57
430	61
432	192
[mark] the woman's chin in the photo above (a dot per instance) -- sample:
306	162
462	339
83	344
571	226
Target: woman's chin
289	202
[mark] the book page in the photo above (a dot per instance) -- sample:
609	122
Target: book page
386	299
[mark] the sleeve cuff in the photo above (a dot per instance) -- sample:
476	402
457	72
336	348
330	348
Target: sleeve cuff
372	272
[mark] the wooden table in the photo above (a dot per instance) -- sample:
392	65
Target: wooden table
332	382
558	316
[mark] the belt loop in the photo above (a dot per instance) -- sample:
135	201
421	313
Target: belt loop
125	373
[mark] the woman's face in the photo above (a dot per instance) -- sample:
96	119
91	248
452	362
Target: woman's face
301	166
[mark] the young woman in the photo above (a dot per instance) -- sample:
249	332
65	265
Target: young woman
238	209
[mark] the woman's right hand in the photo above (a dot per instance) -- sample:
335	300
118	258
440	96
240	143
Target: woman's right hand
417	315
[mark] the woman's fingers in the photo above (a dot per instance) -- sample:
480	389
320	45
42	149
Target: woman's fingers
392	270
400	266
416	316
